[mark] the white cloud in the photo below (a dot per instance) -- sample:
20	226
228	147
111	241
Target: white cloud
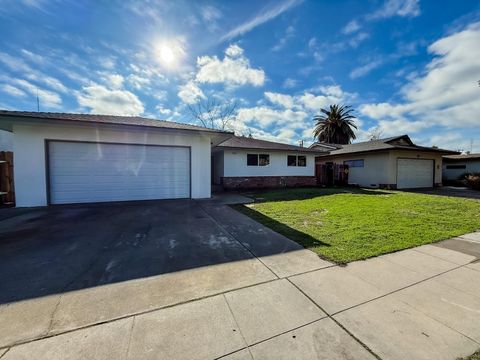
137	81
234	51
351	27
289	33
401	8
210	16
107	62
365	69
190	93
163	111
283	100
358	39
288	118
46	98
446	94
290	83
268	13
210	13
233	70
113	81
13	91
101	100
265	116
38	59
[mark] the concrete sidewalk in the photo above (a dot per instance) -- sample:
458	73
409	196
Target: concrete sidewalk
422	303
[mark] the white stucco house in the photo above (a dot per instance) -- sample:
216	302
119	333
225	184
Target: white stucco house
77	158
395	163
455	166
242	162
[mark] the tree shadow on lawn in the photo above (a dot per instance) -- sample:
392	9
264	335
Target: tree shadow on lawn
299	237
271	195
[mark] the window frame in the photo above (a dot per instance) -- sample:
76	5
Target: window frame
297	160
294	162
456	166
258	162
305	160
355	163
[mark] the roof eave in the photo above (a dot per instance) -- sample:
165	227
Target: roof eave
303	150
7	121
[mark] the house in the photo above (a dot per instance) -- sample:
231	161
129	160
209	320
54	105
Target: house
76	158
394	162
455	166
243	162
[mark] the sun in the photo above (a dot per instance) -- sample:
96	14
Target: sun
167	55
169	52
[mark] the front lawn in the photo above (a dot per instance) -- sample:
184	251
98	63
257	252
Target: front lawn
343	225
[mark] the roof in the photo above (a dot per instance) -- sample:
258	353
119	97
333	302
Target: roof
402	142
325	147
462	157
242	142
105	119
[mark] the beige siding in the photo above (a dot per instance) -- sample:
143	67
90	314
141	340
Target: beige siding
372	174
381	167
394	155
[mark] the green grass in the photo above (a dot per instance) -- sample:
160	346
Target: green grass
344	225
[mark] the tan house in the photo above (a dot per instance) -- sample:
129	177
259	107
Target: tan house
395	163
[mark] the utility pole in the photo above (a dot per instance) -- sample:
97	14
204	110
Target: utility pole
38	102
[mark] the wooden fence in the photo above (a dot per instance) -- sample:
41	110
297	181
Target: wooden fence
331	174
7	191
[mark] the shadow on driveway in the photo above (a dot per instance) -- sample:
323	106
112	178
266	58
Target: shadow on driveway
57	249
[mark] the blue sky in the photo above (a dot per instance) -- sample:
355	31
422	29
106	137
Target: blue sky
408	66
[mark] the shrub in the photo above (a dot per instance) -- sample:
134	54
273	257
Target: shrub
473	181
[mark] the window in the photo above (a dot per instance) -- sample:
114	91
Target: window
302	160
456	167
252	159
263	159
354	163
258	159
293	160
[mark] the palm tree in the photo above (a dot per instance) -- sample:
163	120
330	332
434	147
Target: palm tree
334	126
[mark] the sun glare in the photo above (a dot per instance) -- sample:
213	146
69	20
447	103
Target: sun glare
169	52
166	55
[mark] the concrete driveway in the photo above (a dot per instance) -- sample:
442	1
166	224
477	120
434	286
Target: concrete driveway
197	280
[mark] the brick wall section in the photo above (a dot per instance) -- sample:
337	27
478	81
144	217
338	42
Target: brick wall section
256	182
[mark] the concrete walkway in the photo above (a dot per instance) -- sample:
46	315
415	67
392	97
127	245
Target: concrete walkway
422	303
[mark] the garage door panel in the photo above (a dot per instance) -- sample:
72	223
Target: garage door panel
415	173
91	172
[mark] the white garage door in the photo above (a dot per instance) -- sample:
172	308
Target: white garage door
93	172
414	173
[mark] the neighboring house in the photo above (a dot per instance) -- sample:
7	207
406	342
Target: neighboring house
455	166
395	163
242	162
76	158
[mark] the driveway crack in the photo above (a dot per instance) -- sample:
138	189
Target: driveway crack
130	338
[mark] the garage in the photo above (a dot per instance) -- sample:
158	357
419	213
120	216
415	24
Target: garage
85	172
415	173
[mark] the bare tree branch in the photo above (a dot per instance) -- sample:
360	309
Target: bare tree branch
214	114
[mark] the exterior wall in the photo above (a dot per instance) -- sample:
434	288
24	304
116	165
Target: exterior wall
30	155
373	172
217	167
235	164
471	166
255	182
380	169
